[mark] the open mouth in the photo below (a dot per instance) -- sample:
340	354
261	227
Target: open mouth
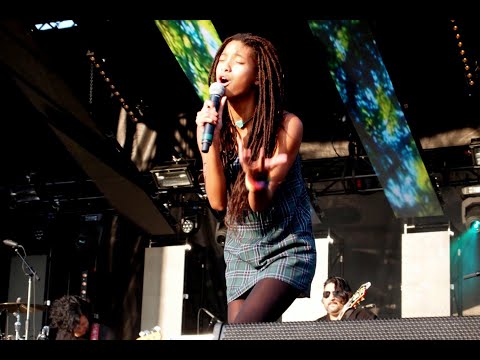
223	80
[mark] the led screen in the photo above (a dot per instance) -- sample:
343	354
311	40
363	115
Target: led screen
365	88
194	44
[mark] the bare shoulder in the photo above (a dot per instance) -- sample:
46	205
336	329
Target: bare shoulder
291	133
292	124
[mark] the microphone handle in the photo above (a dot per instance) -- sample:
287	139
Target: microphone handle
209	129
207	137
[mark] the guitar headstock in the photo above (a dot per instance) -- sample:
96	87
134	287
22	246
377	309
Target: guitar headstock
359	295
153	334
356	298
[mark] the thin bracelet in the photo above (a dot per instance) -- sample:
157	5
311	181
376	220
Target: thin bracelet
256	185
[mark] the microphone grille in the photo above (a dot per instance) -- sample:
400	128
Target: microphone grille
217	89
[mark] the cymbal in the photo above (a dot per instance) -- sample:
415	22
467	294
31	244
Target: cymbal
22	307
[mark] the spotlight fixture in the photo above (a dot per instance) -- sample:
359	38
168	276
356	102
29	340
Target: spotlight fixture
471	213
329	237
471	190
189	225
172	177
221	233
24	194
475	150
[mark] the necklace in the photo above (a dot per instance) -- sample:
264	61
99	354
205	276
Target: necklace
241	124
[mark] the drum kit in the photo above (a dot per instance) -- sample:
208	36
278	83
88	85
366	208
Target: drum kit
17	308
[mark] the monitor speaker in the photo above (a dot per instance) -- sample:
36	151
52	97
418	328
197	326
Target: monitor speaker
425	328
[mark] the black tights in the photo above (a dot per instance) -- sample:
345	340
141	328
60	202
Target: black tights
265	302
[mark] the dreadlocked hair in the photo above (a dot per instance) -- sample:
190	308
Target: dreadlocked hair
267	118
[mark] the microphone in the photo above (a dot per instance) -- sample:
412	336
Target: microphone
11	243
214	318
217	90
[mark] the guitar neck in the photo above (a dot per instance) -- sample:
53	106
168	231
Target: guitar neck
343	311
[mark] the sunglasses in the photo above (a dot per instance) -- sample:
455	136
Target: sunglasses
336	293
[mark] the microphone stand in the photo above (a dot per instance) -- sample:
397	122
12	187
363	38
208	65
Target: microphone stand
17	325
30	275
213	318
472	275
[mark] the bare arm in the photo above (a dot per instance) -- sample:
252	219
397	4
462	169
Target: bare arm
213	172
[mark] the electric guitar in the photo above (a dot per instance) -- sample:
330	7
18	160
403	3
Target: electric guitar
356	298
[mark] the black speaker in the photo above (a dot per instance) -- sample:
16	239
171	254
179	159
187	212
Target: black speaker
425	328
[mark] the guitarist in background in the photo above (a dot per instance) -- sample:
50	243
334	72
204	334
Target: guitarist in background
336	300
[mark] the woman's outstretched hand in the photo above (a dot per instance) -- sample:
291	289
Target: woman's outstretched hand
260	169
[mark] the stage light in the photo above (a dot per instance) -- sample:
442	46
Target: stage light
24	194
471	213
172	177
221	233
475	150
329	238
475	225
471	190
189	225
472	218
56	25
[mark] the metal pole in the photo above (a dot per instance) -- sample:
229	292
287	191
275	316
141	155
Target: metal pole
28	305
18	325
